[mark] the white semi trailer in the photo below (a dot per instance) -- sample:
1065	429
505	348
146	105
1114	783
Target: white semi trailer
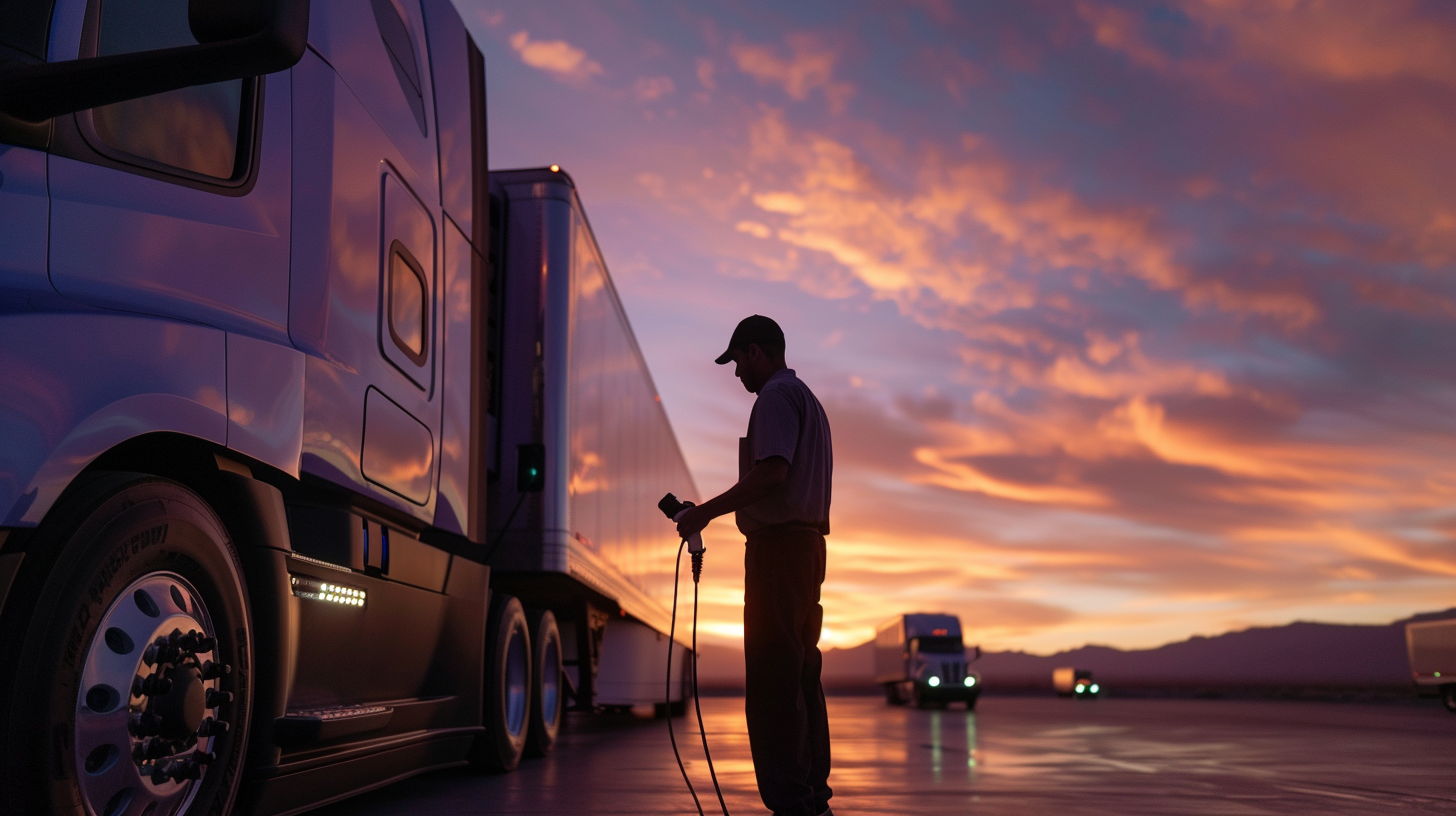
921	659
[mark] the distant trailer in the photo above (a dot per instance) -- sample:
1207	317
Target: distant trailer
1078	683
1431	646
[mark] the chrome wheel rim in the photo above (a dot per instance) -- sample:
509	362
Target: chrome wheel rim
550	684
517	670
149	710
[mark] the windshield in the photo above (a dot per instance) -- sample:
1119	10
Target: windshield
941	645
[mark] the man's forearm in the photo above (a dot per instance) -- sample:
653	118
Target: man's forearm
763	479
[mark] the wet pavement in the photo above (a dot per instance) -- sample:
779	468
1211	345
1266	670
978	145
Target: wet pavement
1012	756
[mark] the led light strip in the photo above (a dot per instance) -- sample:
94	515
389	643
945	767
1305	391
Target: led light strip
316	590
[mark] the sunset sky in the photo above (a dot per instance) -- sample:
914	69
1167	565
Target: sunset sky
1133	321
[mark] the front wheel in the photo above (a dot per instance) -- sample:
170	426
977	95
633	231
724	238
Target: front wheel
507	688
132	687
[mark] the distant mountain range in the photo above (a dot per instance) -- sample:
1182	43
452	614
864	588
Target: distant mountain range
1296	656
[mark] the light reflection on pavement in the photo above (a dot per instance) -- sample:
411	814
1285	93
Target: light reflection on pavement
1013	756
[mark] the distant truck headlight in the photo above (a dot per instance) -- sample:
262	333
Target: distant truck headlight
1096	688
970	681
933	681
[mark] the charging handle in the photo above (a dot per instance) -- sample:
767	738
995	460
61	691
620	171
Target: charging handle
673	509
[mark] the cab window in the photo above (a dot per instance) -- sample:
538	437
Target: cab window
195	130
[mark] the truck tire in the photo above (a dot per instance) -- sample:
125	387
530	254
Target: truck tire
892	694
507	688
971	702
1448	697
546	703
132	657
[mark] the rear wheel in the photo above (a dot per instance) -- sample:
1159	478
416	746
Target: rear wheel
132	690
892	694
507	688
1448	697
546	703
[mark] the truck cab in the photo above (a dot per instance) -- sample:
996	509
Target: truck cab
920	658
241	500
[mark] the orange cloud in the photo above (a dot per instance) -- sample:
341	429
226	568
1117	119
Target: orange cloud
905	246
556	57
810	67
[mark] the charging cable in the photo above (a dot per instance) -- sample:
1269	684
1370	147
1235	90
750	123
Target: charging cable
674	510
671	631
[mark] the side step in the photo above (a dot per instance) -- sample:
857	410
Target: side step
318	724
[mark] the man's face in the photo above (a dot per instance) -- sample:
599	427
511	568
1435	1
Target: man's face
747	367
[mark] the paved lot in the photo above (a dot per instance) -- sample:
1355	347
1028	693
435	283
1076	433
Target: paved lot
1013	756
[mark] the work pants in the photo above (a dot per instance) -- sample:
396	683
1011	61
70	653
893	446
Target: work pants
788	728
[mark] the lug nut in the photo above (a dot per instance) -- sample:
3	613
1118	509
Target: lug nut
212	728
162	650
154	748
161	772
195	641
156	684
143	724
212	670
217	698
186	769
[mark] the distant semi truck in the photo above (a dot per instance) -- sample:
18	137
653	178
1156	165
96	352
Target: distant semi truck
1431	646
1073	682
921	659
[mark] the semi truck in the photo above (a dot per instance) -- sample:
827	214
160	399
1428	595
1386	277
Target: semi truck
920	659
1069	681
1431	647
326	457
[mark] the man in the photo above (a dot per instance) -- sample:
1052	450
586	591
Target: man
782	503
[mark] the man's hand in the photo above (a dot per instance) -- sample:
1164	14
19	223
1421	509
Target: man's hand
693	520
763	479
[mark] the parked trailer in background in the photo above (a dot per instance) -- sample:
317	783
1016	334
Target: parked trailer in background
1431	646
1072	682
269	420
921	659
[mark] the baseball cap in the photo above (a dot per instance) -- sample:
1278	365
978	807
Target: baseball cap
753	329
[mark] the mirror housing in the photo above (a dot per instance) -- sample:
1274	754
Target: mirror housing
238	39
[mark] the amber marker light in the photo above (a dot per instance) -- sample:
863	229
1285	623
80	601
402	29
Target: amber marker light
556	168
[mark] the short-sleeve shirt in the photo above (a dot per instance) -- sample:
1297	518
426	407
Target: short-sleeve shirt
788	421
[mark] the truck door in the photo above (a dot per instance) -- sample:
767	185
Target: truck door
365	297
177	204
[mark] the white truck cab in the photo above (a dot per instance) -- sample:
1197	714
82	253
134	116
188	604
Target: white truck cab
920	658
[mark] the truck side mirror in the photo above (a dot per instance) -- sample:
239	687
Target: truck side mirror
238	39
530	468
